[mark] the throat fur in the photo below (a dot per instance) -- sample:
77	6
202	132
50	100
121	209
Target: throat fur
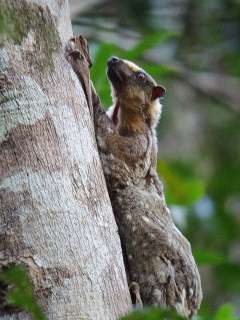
131	121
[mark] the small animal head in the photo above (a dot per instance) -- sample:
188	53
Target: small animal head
135	91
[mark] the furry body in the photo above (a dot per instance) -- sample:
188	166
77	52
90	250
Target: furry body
157	256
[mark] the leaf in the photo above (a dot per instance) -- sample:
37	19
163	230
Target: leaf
21	295
225	312
182	186
153	314
207	257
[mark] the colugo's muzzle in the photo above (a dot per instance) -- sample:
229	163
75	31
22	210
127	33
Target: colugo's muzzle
118	71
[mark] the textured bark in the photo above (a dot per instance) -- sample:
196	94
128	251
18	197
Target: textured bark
55	212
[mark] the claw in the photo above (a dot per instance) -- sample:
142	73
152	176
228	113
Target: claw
77	54
77	48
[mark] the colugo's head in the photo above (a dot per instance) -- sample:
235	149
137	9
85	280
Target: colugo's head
133	85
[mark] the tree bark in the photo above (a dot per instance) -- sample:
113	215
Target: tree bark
55	213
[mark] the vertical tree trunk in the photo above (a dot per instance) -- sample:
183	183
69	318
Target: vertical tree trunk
55	213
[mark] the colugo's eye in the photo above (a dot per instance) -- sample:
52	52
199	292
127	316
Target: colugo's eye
141	76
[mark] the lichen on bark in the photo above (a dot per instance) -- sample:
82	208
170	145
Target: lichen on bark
17	19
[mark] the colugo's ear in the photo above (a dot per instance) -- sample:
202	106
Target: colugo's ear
158	92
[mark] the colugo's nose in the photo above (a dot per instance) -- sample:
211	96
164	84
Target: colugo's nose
112	61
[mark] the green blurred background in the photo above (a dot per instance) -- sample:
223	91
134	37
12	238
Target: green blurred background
192	48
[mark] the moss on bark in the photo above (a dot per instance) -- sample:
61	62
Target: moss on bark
18	18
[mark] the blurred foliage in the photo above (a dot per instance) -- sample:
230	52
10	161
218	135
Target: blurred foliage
225	312
183	187
153	314
208	257
20	294
135	12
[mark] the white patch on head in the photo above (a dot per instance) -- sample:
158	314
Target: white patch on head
132	66
136	68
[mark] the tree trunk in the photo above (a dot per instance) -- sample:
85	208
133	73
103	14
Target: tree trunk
55	213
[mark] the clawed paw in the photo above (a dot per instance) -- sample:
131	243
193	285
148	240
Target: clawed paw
77	48
72	50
